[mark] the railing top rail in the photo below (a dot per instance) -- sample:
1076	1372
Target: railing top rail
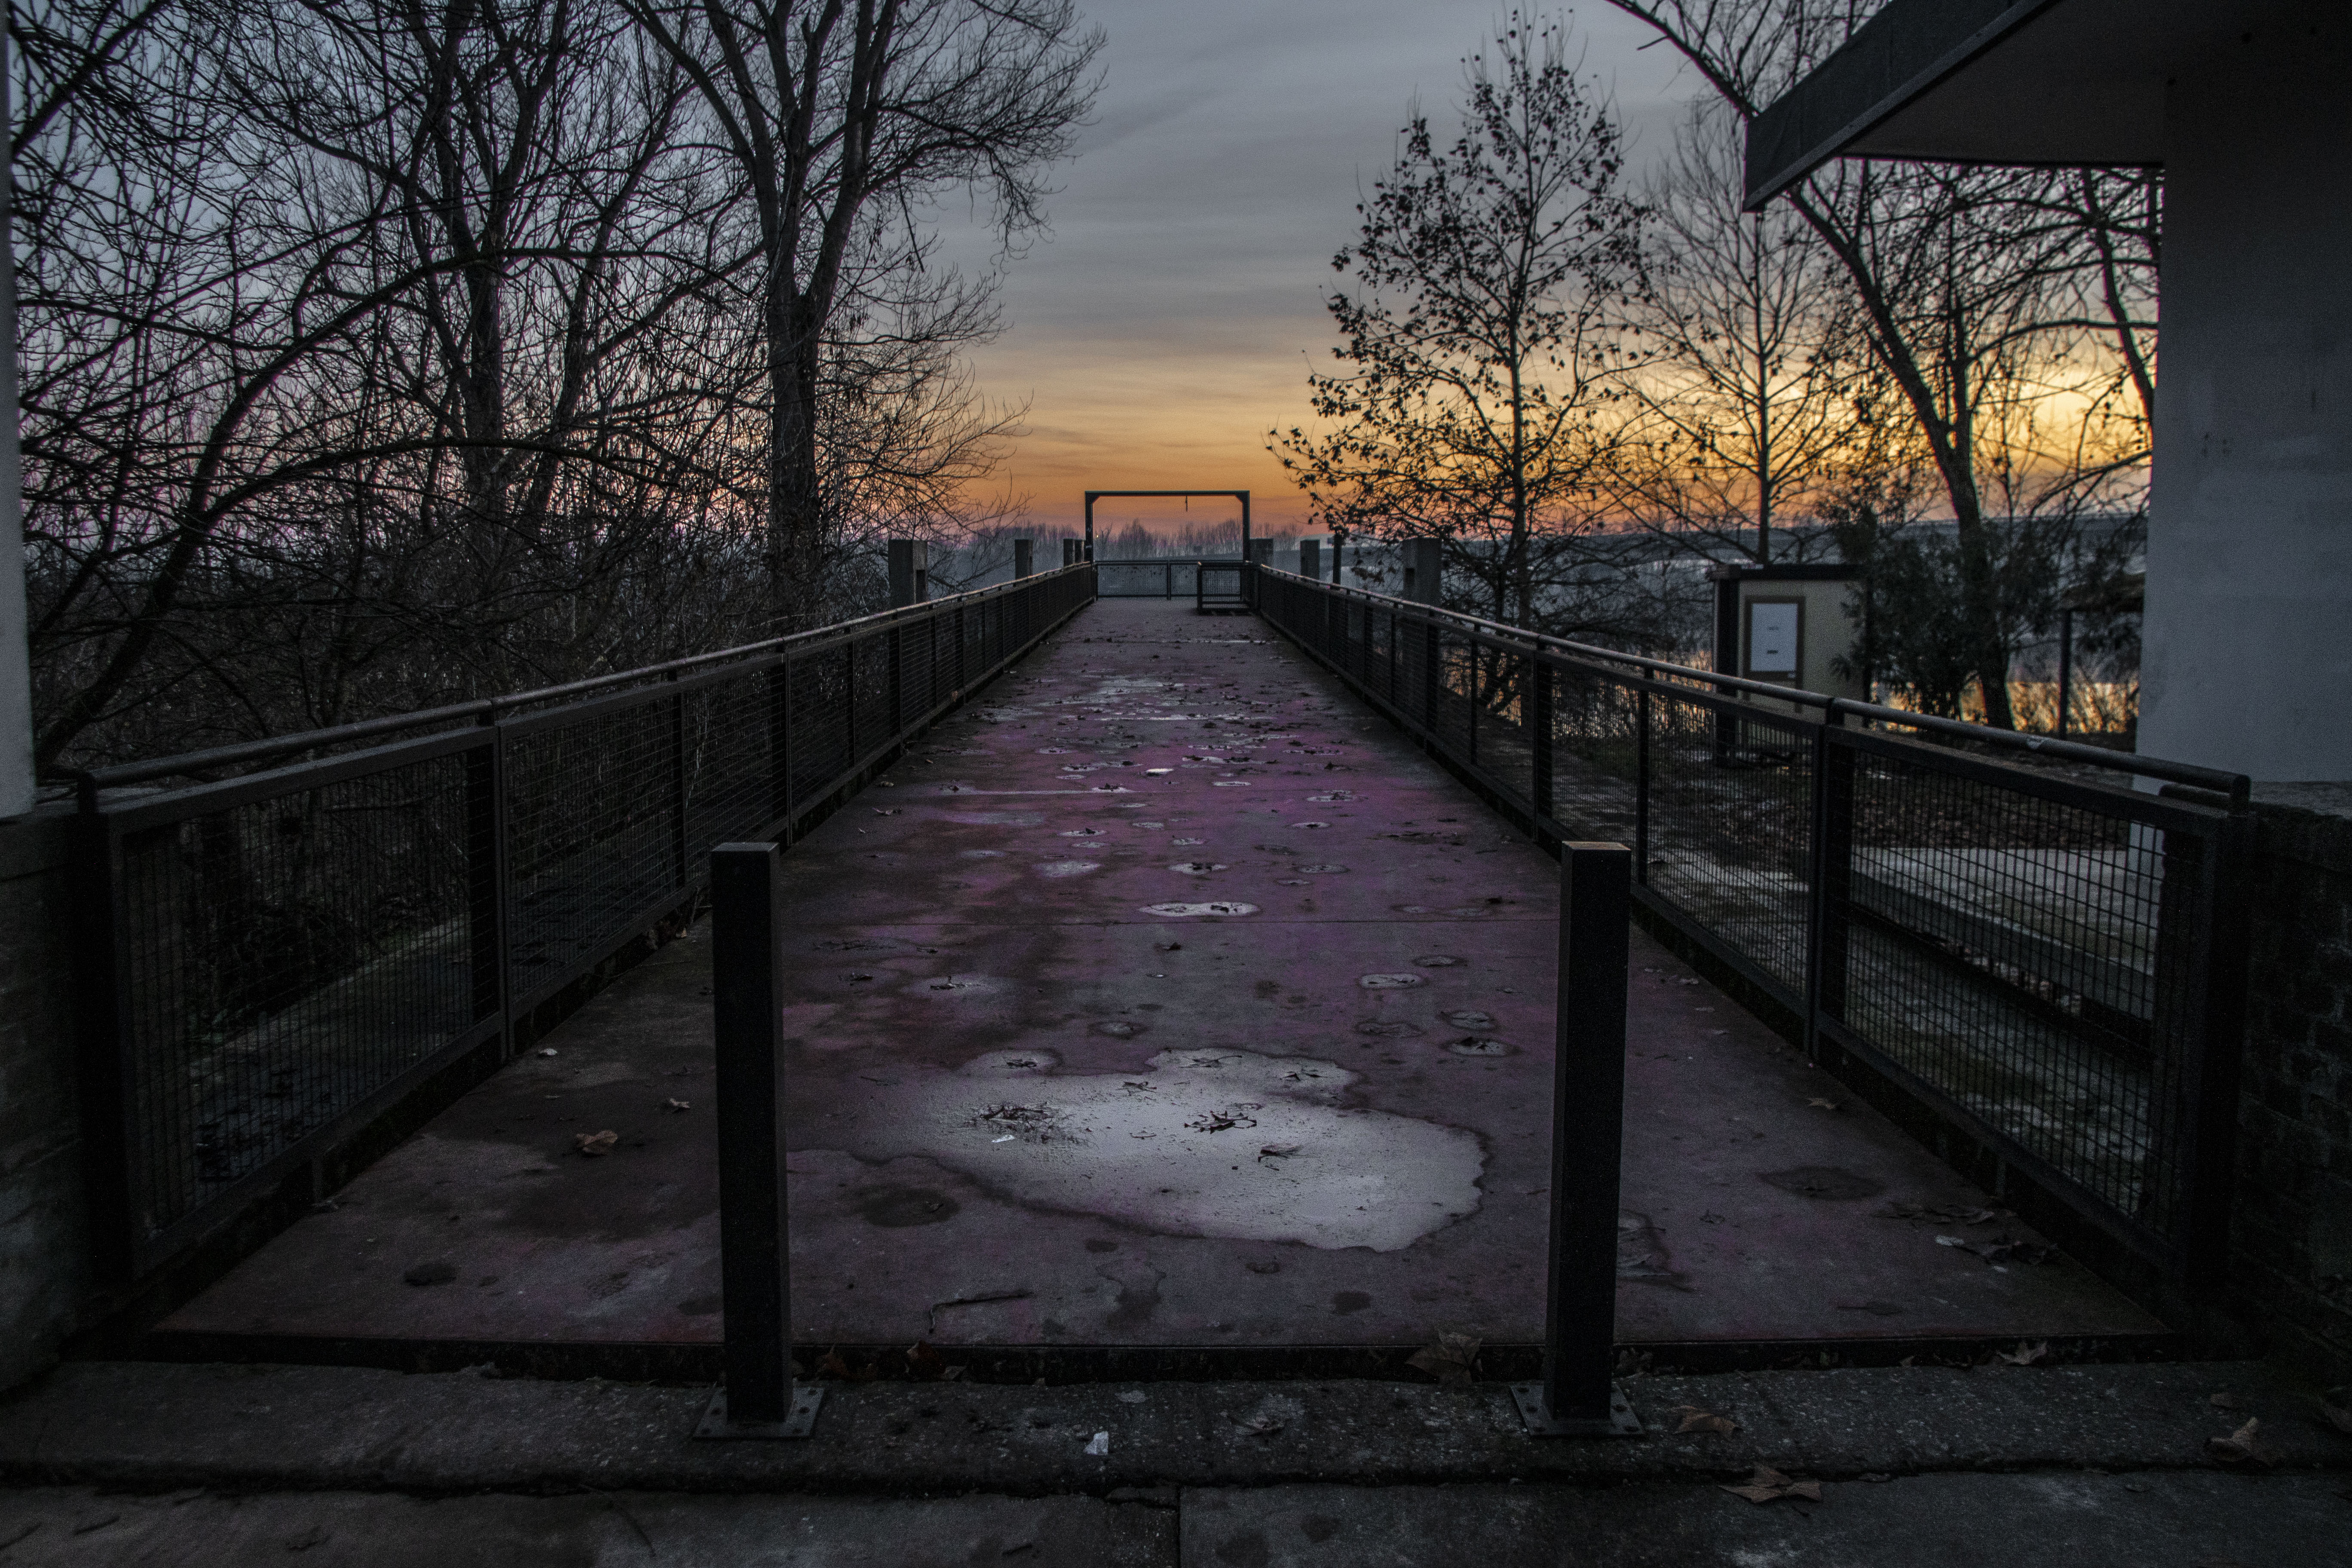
2237	787
487	710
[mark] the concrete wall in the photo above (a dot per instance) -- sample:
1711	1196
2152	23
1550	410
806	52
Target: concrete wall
44	1275
2247	650
2292	1233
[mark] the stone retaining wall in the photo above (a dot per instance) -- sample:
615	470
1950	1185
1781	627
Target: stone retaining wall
2292	1232
44	1275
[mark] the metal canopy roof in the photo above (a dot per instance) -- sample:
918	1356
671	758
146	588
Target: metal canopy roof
2001	81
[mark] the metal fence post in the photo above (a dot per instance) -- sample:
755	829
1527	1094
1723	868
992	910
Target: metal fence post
1641	786
2212	1034
1831	873
485	885
760	1399
1539	689
1577	1397
681	863
780	747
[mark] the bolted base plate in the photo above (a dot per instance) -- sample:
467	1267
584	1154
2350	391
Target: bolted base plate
800	1421
1621	1421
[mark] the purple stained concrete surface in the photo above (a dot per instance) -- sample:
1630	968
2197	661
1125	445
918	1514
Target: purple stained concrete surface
1034	1102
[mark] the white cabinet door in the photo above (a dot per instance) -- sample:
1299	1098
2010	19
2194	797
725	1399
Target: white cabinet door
1772	640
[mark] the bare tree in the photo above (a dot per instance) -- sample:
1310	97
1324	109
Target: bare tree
1743	411
1485	333
841	118
1966	288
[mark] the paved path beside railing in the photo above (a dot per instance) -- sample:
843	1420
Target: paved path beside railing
1163	997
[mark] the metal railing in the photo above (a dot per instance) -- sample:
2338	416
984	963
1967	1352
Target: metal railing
277	961
1146	577
2026	949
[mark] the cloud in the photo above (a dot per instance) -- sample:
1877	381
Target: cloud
1172	313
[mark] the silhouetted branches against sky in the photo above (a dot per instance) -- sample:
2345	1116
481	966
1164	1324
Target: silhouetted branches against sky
380	354
1888	342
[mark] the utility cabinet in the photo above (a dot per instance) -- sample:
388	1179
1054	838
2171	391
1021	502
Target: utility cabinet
1790	625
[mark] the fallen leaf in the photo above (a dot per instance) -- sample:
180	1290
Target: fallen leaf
1100	1445
1694	1419
1449	1360
1959	1241
675	1105
2024	1355
923	1362
2243	1446
1768	1484
595	1143
1824	1104
1261	1425
2336	1405
2226	1402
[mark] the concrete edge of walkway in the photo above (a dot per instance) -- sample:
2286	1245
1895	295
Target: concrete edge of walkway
151	1425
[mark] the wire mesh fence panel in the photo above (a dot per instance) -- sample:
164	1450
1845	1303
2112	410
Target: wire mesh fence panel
2005	949
2042	957
282	949
280	959
593	834
1143	578
730	737
1729	807
1595	725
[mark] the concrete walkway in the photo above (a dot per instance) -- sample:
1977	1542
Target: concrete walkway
1162	997
2087	1466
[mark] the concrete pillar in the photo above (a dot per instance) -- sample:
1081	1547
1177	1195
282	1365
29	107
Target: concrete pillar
1069	553
15	675
1022	557
1261	551
2247	643
910	572
1310	559
1424	570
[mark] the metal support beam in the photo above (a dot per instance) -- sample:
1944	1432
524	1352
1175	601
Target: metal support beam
1576	1397
910	572
1023	557
760	1399
1424	571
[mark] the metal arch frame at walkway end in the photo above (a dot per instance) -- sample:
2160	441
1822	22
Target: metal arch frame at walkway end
1094	495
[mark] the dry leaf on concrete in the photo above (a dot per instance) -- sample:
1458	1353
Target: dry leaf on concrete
1694	1419
2024	1355
2242	1447
595	1143
2336	1406
1450	1360
1768	1484
677	1105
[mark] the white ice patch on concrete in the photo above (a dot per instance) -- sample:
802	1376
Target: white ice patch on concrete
1210	1143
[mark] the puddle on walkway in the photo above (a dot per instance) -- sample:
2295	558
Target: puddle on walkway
1209	1144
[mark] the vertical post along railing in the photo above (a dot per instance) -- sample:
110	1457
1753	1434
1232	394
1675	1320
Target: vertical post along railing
760	1398
1578	1396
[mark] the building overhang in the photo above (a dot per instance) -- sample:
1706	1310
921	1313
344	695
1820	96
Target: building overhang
2021	82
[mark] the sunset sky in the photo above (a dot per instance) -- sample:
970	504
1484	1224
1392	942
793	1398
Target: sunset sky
1172	314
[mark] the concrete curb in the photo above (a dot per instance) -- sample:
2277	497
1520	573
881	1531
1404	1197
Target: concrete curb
155	1426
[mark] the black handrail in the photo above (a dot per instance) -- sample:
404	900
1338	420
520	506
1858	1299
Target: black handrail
2237	787
483	710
